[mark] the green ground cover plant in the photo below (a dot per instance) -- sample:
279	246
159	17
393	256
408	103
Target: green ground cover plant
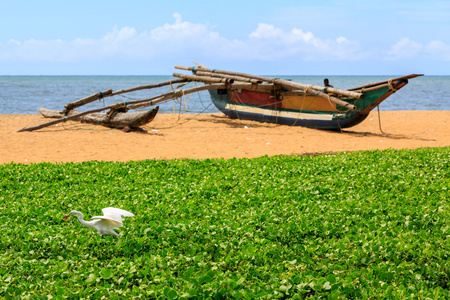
358	225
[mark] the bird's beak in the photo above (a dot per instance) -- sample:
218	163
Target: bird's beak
65	217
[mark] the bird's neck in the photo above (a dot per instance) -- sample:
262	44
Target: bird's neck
85	223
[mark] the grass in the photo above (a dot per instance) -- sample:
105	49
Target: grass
369	224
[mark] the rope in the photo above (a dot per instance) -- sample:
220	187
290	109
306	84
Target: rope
391	86
179	124
307	89
329	100
114	110
339	124
379	120
173	94
102	98
182	98
128	97
275	101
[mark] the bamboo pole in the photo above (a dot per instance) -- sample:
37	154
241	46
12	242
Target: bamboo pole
109	93
72	105
374	84
268	79
204	78
308	89
149	86
237	78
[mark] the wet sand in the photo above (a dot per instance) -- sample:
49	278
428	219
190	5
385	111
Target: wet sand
213	136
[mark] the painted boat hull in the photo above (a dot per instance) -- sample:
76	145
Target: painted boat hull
297	109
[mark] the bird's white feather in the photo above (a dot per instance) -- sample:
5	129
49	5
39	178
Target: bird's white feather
104	227
116	213
108	221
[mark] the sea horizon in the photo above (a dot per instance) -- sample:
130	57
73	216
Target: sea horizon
170	75
23	94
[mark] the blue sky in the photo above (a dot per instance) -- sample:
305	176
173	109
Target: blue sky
143	37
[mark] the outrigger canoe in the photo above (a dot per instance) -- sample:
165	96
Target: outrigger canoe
297	108
243	96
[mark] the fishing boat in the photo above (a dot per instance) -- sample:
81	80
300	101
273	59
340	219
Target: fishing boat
285	102
295	108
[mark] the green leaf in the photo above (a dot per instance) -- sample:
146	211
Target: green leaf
331	278
204	279
106	273
170	293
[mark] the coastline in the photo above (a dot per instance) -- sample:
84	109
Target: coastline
204	136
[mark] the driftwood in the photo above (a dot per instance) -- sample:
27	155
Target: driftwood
120	120
308	89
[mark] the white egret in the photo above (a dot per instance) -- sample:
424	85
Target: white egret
111	219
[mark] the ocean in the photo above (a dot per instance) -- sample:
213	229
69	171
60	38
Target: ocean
25	94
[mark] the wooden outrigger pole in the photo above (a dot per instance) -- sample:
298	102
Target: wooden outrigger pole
143	102
109	93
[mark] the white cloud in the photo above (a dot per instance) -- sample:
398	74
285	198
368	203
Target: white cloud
185	39
266	31
407	49
195	41
273	43
180	31
439	49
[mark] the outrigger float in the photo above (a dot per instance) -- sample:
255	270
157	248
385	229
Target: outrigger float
244	96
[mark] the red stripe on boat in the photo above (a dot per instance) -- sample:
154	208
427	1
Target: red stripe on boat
254	98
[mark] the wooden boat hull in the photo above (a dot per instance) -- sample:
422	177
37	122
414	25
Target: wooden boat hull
120	120
298	109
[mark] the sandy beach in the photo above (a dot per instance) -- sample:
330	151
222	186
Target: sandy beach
213	136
